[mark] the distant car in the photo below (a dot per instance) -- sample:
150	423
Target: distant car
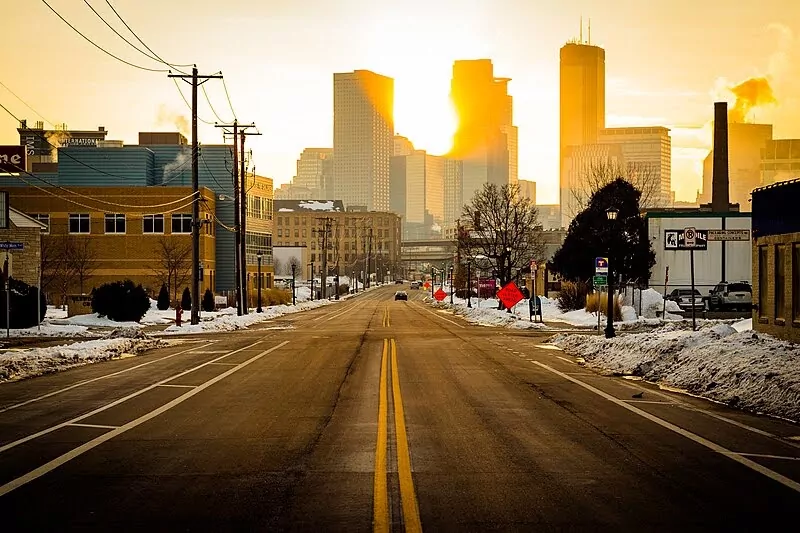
685	300
398	282
415	285
738	295
401	295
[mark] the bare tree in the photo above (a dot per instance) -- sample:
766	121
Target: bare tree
277	266
292	262
173	265
641	175
81	258
52	261
500	226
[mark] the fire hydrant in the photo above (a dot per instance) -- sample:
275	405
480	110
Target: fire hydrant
178	312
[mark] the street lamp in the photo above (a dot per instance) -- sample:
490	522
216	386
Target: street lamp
451	284
293	296
312	280
259	254
611	214
469	285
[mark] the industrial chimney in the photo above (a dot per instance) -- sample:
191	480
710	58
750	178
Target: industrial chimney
720	197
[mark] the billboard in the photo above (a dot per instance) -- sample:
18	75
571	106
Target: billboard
12	158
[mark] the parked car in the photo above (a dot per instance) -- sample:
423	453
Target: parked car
734	296
685	299
401	295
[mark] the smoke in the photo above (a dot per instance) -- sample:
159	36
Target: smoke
57	139
177	166
751	93
170	118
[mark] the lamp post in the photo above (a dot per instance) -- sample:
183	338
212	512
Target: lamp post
451	284
611	213
312	280
469	286
293	297
259	254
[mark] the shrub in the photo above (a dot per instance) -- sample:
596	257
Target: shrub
22	304
591	304
572	296
208	300
344	289
186	299
163	298
463	293
276	297
121	301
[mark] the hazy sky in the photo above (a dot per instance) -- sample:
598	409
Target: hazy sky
666	62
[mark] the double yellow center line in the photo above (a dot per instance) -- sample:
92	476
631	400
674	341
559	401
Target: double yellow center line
386	322
408	498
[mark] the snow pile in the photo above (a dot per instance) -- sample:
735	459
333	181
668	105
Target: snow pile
651	302
48	329
232	322
21	364
739	368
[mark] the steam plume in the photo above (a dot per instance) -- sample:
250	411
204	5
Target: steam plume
167	117
751	93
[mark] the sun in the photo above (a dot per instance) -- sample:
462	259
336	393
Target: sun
426	117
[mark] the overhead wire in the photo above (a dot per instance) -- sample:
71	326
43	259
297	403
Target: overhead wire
185	101
228	96
212	107
25	103
76	30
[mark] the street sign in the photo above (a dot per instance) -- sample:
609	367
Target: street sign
440	295
510	295
729	235
11	246
601	265
676	239
600	280
533	266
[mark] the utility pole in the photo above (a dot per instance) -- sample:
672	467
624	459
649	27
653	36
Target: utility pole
326	228
369	254
195	190
243	217
236	215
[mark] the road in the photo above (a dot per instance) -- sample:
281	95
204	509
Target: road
382	415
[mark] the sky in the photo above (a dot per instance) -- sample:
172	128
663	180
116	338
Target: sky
666	63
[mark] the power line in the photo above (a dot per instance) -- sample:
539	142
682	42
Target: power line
173	65
185	101
10	113
228	96
211	106
24	102
98	46
112	28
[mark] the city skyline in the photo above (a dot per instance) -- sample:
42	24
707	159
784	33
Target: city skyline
659	82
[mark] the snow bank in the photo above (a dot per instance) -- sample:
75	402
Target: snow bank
19	364
754	372
48	329
651	301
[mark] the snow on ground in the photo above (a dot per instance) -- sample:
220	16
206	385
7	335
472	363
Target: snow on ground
19	364
48	329
55	312
724	363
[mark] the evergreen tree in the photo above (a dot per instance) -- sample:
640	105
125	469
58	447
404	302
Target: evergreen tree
163	298
186	299
624	241
208	300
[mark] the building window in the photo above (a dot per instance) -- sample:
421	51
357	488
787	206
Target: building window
79	222
280	232
763	280
153	224
182	223
43	218
796	282
115	223
780	282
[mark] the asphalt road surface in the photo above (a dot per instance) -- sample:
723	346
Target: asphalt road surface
382	415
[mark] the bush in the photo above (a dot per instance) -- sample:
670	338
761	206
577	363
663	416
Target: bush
163	298
22	304
572	296
208	300
463	293
344	289
276	297
591	304
121	301
186	299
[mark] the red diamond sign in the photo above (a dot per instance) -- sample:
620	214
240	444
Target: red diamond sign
510	295
440	295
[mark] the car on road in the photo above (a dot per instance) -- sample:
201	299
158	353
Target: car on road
415	285
398	282
685	299
731	296
401	295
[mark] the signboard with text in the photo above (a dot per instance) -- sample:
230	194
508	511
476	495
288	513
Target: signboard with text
601	265
510	295
686	239
729	235
12	158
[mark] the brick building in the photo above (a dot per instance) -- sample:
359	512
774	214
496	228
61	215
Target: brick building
114	233
18	228
358	241
776	260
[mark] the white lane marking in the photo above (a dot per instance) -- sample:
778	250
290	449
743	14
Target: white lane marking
765	456
96	426
80	450
548	347
116	402
790	483
660	402
177	386
440	317
223	363
81	383
210	352
565	359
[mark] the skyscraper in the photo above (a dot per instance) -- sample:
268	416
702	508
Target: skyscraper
583	103
314	172
647	154
363	130
486	139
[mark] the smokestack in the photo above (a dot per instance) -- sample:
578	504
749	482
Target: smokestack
720	198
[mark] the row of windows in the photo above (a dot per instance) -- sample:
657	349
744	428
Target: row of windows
80	223
347	246
352	222
297	233
777	270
